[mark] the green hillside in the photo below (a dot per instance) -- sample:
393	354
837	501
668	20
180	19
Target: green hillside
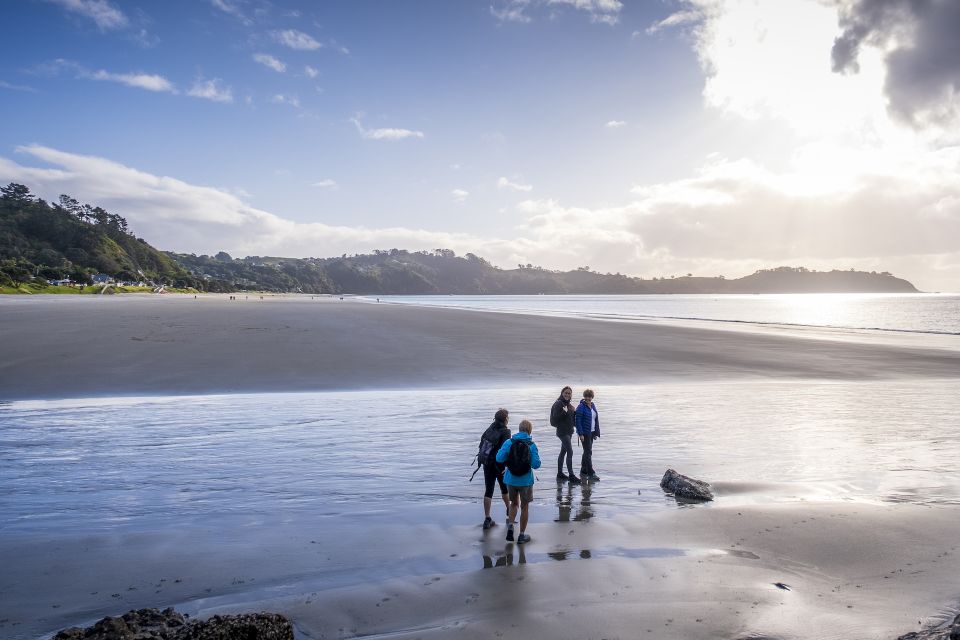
40	241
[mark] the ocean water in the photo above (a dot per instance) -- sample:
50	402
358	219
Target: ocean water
89	466
935	314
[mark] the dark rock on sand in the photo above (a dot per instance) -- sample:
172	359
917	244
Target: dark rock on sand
949	632
684	487
249	626
153	624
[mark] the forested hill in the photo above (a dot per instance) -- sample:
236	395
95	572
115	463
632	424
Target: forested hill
40	241
442	272
68	240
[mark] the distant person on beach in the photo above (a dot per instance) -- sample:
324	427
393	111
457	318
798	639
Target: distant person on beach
562	418
588	430
490	442
519	454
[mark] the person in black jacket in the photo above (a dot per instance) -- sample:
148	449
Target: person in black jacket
497	433
562	417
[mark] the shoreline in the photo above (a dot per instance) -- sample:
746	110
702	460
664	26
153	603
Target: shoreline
72	347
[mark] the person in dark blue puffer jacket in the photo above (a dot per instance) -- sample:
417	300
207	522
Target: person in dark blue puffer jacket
588	430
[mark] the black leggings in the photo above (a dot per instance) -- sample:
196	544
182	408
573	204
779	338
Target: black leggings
586	460
566	450
491	475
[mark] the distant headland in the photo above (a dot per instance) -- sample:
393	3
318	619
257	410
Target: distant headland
68	247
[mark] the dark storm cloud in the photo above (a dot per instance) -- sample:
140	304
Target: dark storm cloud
923	53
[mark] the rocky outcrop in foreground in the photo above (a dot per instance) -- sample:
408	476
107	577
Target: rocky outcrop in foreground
153	624
685	487
950	632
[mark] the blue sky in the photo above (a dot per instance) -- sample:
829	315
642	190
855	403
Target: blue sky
651	138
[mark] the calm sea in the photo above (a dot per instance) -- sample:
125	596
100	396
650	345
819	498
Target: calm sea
909	313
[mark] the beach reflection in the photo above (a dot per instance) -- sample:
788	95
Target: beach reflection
565	501
507	557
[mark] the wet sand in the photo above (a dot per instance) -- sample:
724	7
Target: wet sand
845	570
852	570
60	346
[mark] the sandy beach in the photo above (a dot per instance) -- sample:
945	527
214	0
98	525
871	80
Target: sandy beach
59	346
846	567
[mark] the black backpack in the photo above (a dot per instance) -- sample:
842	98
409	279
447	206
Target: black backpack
518	458
487	451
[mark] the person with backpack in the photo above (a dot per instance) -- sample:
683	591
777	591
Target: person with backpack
588	430
521	457
562	417
490	442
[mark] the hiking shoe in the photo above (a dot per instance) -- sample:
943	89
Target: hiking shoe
594	477
574	480
523	538
562	476
510	533
488	522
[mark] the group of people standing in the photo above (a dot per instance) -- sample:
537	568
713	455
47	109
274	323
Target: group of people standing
508	460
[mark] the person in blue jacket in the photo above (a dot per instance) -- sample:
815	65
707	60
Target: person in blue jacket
588	430
520	487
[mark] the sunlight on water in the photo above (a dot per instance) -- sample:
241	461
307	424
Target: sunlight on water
937	314
91	465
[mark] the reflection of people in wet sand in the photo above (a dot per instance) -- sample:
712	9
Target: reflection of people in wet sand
521	457
505	559
565	504
584	511
564	500
562	417
588	430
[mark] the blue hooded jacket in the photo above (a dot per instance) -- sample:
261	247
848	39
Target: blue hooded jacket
585	420
525	480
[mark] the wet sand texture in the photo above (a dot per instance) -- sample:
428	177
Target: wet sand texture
132	345
850	570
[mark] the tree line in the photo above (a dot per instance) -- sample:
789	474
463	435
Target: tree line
70	240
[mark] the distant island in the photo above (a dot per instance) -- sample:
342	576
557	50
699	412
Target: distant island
67	246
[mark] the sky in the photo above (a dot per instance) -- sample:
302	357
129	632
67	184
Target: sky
646	137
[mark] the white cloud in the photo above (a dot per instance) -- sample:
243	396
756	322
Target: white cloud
326	183
232	8
211	90
604	11
459	195
731	218
295	39
512	12
385	134
310	71
159	208
676	19
772	61
504	183
106	16
615	124
148	81
16	87
292	101
270	62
